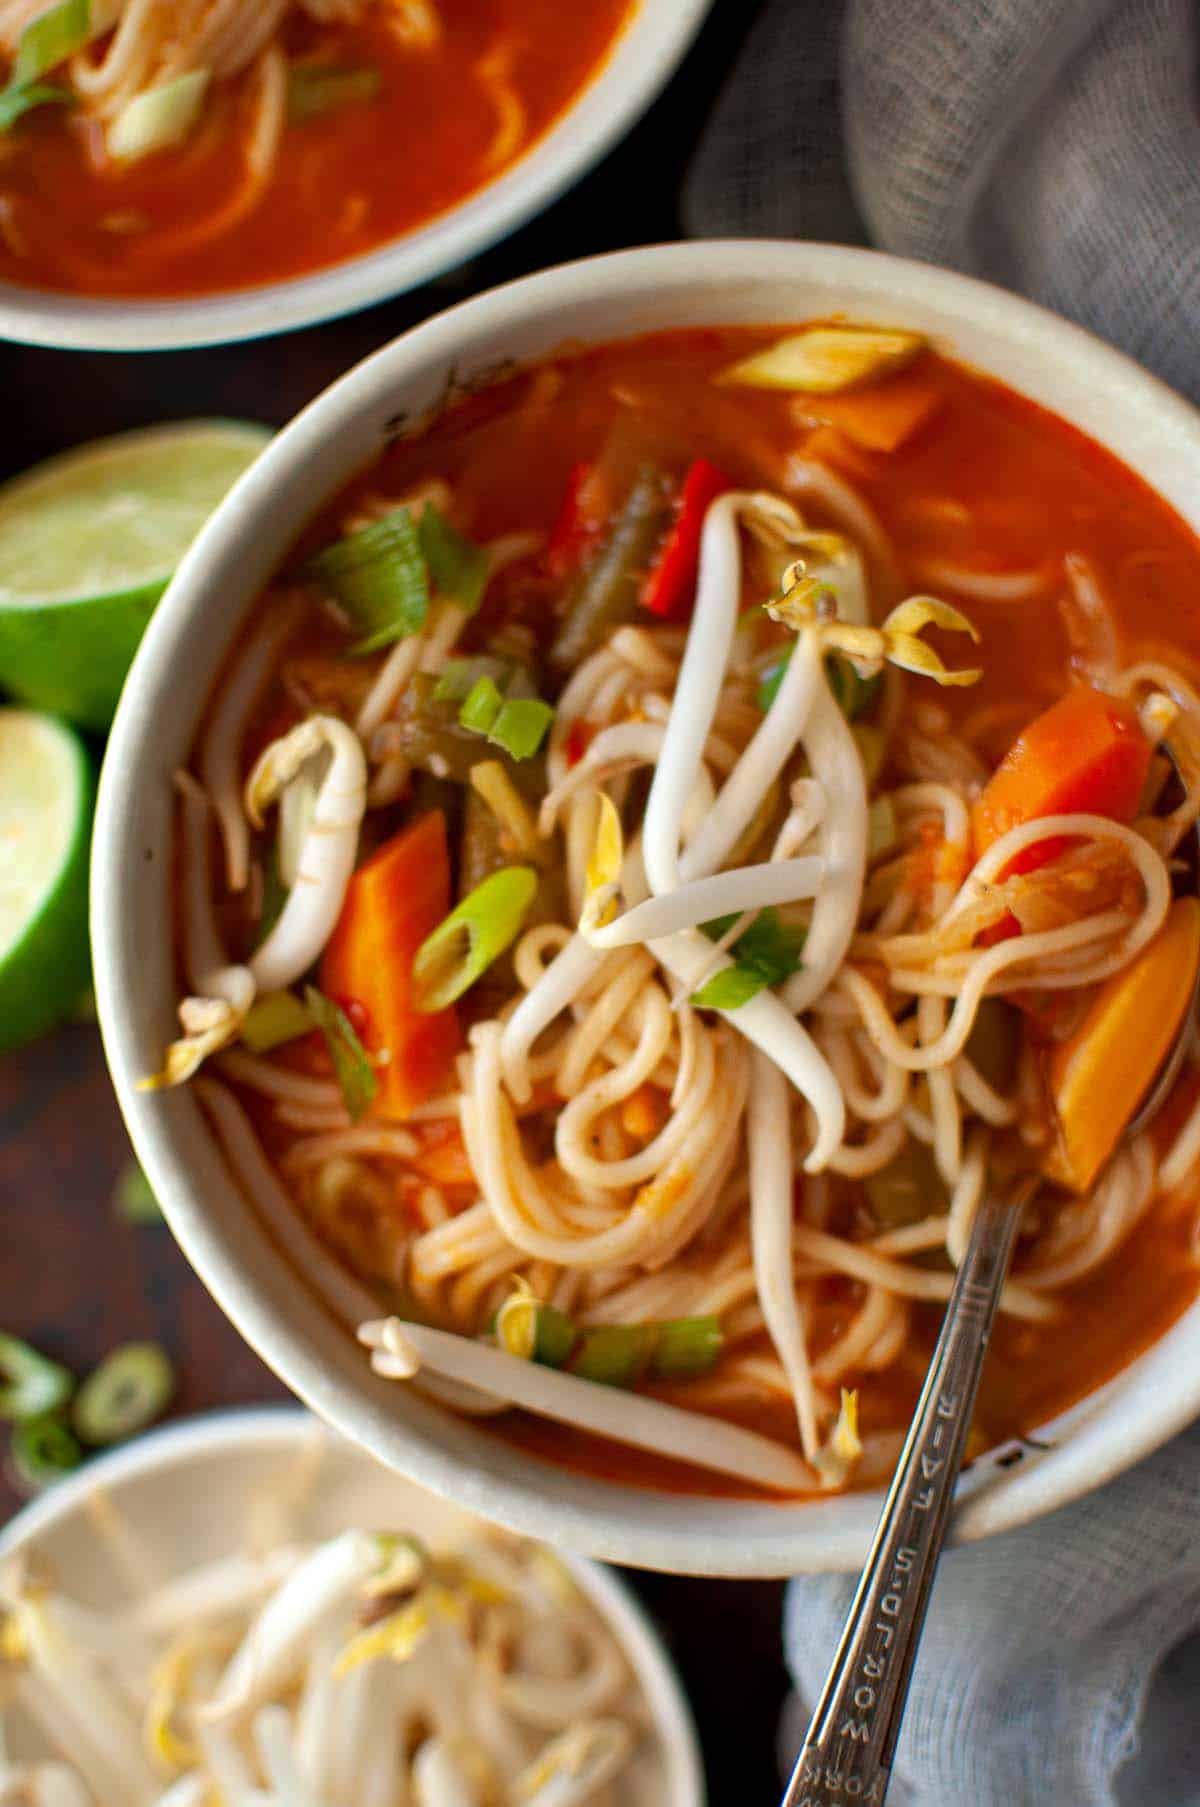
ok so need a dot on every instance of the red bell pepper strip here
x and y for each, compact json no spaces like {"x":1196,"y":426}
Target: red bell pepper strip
{"x":671,"y":580}
{"x":392,"y":903}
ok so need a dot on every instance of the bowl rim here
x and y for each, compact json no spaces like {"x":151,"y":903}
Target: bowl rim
{"x":637,"y":66}
{"x":637,"y":1526}
{"x":276,"y":1429}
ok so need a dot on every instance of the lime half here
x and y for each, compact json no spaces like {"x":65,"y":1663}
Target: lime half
{"x":88,"y":543}
{"x":47,"y":792}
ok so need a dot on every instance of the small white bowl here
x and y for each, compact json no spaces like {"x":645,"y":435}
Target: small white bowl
{"x":191,"y":1491}
{"x":651,"y":45}
{"x":1087,"y":383}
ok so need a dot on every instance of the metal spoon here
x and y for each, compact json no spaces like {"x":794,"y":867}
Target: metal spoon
{"x":846,"y":1757}
{"x":847,"y":1752}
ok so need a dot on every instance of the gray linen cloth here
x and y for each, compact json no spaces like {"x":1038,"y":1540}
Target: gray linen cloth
{"x":1052,"y":146}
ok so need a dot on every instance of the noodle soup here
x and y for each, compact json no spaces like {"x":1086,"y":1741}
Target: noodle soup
{"x":679,"y":827}
{"x":215,"y":145}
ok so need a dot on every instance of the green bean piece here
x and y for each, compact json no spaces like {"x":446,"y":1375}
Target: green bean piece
{"x":127,"y":1392}
{"x":994,"y":1044}
{"x":908,"y":1189}
{"x":605,"y":595}
{"x":44,"y":1451}
{"x":35,"y":1384}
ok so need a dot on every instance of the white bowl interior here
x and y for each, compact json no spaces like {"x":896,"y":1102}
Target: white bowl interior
{"x":693,"y":285}
{"x":650,"y":47}
{"x":198,"y":1490}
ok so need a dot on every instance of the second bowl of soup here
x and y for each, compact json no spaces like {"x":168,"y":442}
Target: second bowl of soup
{"x":634,"y":836}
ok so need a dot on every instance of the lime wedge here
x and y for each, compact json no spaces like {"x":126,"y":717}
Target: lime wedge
{"x":47,"y":791}
{"x":88,"y":543}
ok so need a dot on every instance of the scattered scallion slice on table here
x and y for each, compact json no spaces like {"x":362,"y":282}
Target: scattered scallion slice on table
{"x":44,"y":1450}
{"x":133,"y":1197}
{"x":31,"y":1385}
{"x":475,"y":933}
{"x":128,"y":1391}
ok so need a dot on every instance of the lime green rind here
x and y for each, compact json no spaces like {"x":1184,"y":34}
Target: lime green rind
{"x":44,"y":971}
{"x":46,"y":662}
{"x":80,"y":574}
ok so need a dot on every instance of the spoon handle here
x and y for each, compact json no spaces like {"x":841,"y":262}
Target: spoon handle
{"x":847,"y":1754}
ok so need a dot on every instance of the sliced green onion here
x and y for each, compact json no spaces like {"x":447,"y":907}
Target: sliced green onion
{"x":687,"y":1347}
{"x":128,"y":1391}
{"x":614,"y":1355}
{"x":50,"y":39}
{"x":314,"y":89}
{"x":475,"y":933}
{"x":378,"y":575}
{"x":133,"y":1197}
{"x":35,"y":1384}
{"x":518,"y":724}
{"x":521,"y":726}
{"x":44,"y":1451}
{"x":881,"y":826}
{"x":458,"y":567}
{"x":535,"y":1332}
{"x":16,"y":102}
{"x":767,"y":953}
{"x":353,"y":1069}
{"x":157,"y":118}
{"x":481,"y":708}
{"x":274,"y":1019}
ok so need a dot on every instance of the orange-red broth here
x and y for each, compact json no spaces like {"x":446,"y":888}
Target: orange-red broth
{"x":1034,"y":489}
{"x":344,"y":183}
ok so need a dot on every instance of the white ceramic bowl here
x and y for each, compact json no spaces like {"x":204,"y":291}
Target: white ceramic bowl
{"x":191,"y":1492}
{"x":649,"y":49}
{"x":637,"y":291}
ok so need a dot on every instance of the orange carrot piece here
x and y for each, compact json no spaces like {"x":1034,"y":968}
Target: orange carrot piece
{"x":882,"y":416}
{"x":1099,"y":1076}
{"x":392,"y":903}
{"x":1086,"y":753}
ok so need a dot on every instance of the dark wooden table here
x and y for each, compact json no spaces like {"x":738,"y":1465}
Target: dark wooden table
{"x":74,"y":1278}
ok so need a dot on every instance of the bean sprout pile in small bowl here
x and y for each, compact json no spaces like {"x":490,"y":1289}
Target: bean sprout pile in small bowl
{"x":245,"y":1609}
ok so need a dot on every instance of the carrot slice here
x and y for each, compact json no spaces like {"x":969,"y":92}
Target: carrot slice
{"x":1100,"y":1074}
{"x":882,"y":417}
{"x":392,"y":903}
{"x":1086,"y":753}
